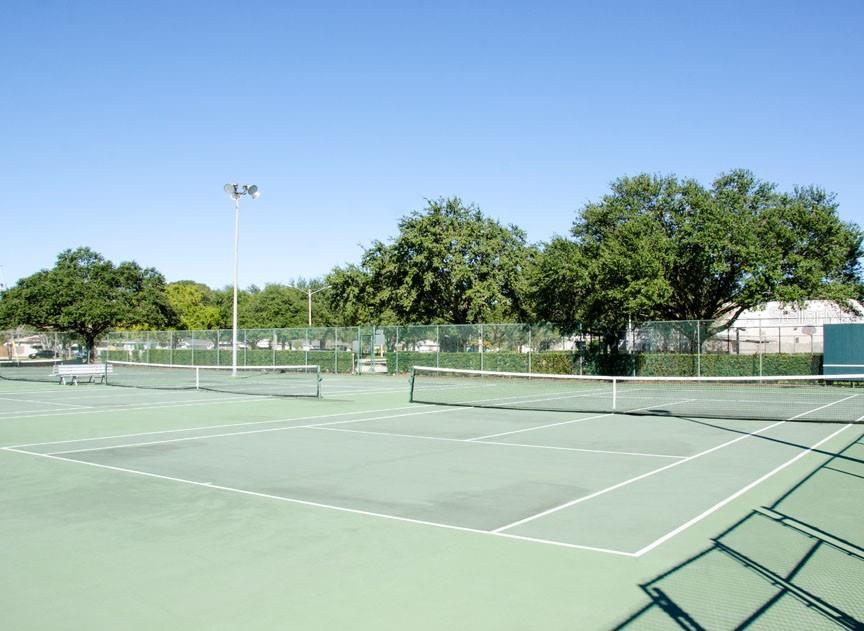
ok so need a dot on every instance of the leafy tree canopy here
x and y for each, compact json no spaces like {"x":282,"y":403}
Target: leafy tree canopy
{"x":86,"y":294}
{"x":449,"y":263}
{"x":275,"y":306}
{"x":660,"y":248}
{"x":194,"y":304}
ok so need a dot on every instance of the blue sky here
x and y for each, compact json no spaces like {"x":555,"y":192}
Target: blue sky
{"x":122,"y":121}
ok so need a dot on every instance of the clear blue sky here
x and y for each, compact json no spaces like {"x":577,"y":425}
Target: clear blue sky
{"x":122,"y":121}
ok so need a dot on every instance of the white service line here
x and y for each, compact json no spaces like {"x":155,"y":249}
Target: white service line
{"x":500,"y":444}
{"x":343,"y":509}
{"x":205,"y":427}
{"x":735,"y":495}
{"x":251,"y":431}
{"x":71,"y":405}
{"x":576,"y":420}
{"x":629,"y":481}
{"x":125,"y":408}
{"x":821,"y":407}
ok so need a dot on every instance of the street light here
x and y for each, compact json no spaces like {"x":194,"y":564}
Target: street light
{"x":236,"y":191}
{"x":309,"y":293}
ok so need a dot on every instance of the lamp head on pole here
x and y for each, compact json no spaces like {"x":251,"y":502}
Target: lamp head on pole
{"x":236,"y":191}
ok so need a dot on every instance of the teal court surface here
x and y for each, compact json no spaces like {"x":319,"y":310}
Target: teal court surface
{"x":142,"y":508}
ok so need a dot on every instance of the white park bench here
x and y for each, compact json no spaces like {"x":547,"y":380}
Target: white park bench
{"x":73,"y":373}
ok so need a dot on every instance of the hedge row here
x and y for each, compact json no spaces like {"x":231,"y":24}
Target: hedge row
{"x":551,"y":362}
{"x":330,"y":361}
{"x":640,"y":364}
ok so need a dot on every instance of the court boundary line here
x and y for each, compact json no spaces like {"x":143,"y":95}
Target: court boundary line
{"x":629,"y":481}
{"x":490,"y":442}
{"x":821,"y":407}
{"x":199,"y":428}
{"x":241,"y":433}
{"x":496,"y":532}
{"x":70,"y":405}
{"x":590,"y":418}
{"x":133,"y":407}
{"x":333,"y":507}
{"x":676,"y":531}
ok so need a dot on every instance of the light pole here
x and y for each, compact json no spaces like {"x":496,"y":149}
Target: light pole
{"x":236,"y":191}
{"x":309,"y":293}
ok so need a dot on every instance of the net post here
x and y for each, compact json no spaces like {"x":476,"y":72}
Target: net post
{"x":197,"y":378}
{"x":411,"y":385}
{"x":105,"y":370}
{"x":317,"y":381}
{"x":614,"y":393}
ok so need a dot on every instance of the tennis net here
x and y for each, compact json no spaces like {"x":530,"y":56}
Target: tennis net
{"x":30,"y":370}
{"x":835,"y":398}
{"x":285,"y":381}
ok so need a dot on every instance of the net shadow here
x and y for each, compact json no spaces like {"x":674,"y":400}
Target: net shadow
{"x":796,"y":564}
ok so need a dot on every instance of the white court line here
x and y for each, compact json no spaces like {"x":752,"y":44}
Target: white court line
{"x":125,"y":408}
{"x":822,"y":407}
{"x":251,"y":431}
{"x":343,"y":509}
{"x":608,"y":489}
{"x":490,"y":442}
{"x":205,"y":427}
{"x":71,"y":405}
{"x":571,"y":421}
{"x":735,"y":495}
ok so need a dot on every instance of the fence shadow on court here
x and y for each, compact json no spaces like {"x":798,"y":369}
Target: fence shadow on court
{"x":796,"y":564}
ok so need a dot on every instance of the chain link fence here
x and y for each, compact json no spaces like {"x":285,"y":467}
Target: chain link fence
{"x":678,"y":348}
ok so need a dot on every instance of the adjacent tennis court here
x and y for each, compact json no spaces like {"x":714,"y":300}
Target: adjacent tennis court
{"x":495,"y":503}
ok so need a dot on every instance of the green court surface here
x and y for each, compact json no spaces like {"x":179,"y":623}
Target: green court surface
{"x":129,"y":508}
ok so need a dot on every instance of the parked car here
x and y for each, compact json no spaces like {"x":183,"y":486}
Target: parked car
{"x":43,"y":353}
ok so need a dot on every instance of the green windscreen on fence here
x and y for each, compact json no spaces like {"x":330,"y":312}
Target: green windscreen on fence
{"x":844,"y":349}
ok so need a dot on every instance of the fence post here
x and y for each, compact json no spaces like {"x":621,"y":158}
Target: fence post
{"x":529,"y":349}
{"x":396,"y":351}
{"x":437,"y":346}
{"x":481,"y":347}
{"x":760,"y":347}
{"x":698,"y":348}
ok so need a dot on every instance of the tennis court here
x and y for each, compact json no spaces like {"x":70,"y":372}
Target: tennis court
{"x":136,"y":507}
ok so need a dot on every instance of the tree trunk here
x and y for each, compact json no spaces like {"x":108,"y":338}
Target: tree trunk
{"x":90,"y":341}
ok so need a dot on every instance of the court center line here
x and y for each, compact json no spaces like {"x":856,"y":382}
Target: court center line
{"x":344,"y":509}
{"x":501,"y":444}
{"x":571,"y":421}
{"x":721,"y":504}
{"x":629,"y":481}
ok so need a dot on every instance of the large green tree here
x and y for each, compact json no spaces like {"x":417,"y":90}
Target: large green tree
{"x":275,"y":306}
{"x":86,"y":294}
{"x":660,"y":248}
{"x":195,"y":305}
{"x":449,"y":263}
